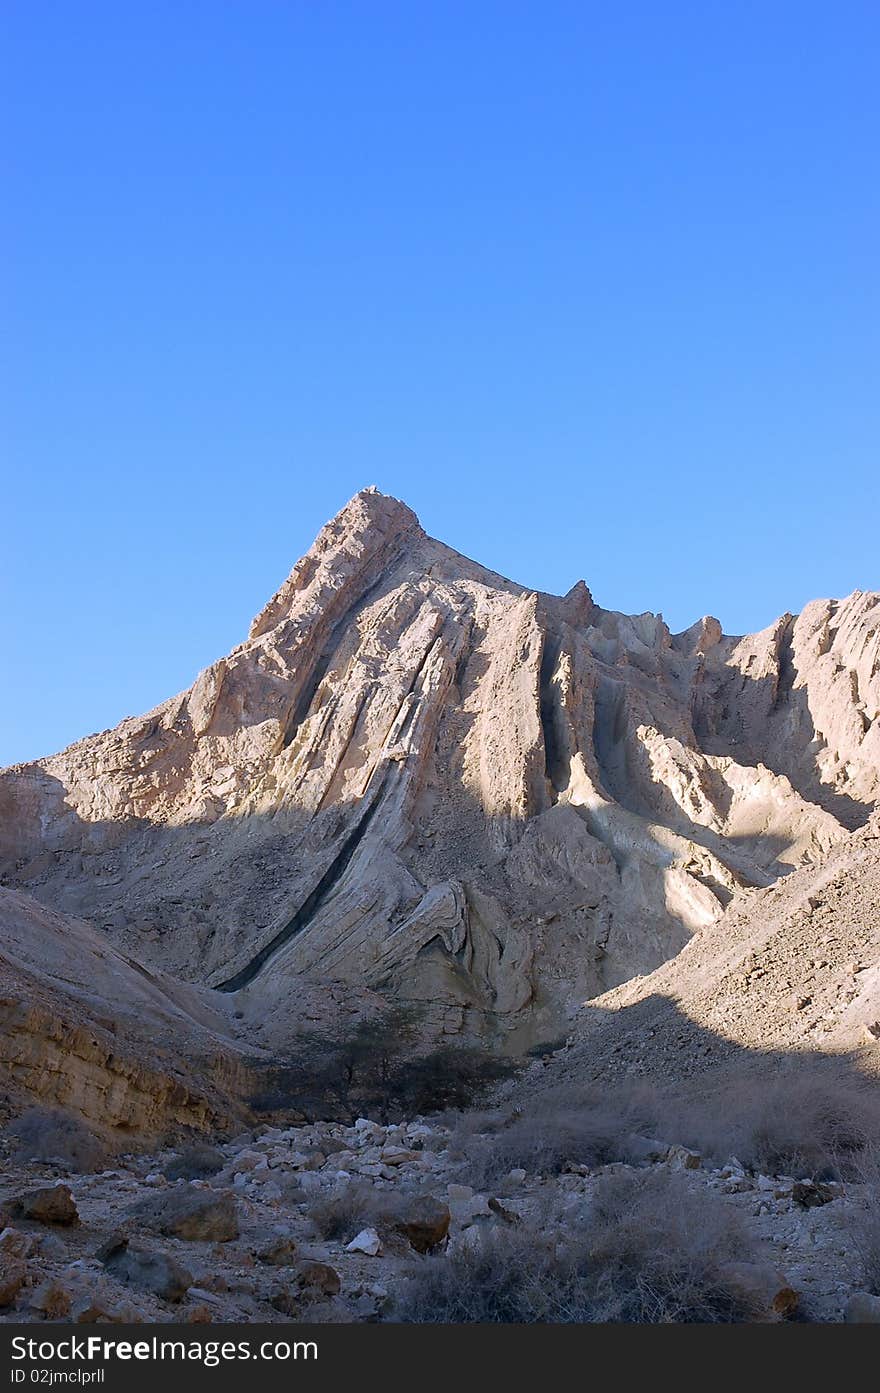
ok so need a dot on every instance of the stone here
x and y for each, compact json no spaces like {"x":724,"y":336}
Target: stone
{"x":311,"y":1160}
{"x":764,"y":1287}
{"x":154,"y":1272}
{"x":191,"y":1214}
{"x":367,"y":1241}
{"x":50,"y":1204}
{"x":286,"y":1299}
{"x":94,"y":1310}
{"x":862,"y":1309}
{"x":809,"y":1194}
{"x":398,"y":1155}
{"x":279,"y":1252}
{"x":317,"y":1280}
{"x":423,"y":1222}
{"x":15,"y":1244}
{"x":737,"y":1185}
{"x":246,"y":1161}
{"x":681,"y":1158}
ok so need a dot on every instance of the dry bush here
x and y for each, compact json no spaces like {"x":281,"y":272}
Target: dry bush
{"x":587,"y":1126}
{"x":469,"y":1128}
{"x":50,"y":1134}
{"x":822,"y":1124}
{"x":195,"y":1163}
{"x":357,"y":1205}
{"x":651,"y":1248}
{"x":341,"y":1213}
{"x":860,"y":1223}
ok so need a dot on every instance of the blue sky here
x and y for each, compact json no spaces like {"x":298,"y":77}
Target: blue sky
{"x":593,"y":287}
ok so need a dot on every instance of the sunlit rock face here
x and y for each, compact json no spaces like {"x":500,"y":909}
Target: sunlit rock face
{"x":418,"y":778}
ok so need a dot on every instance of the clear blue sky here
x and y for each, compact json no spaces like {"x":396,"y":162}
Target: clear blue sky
{"x":592,"y":286}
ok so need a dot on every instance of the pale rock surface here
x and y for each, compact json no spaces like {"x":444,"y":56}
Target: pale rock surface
{"x":419,"y":778}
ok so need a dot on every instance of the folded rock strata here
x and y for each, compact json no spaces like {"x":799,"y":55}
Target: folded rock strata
{"x":418,"y":778}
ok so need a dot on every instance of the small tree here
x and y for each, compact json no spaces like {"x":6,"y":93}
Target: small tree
{"x":376,"y":1070}
{"x":454,"y":1076}
{"x":351,"y":1076}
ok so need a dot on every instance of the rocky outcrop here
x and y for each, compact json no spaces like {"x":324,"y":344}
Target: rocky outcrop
{"x":84,"y":1027}
{"x":418,"y":778}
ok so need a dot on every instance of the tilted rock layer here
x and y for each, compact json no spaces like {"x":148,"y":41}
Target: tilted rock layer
{"x":420,"y":778}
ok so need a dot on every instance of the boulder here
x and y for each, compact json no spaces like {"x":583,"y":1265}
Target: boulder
{"x":681,"y":1158}
{"x":809,"y":1194}
{"x":317,"y":1280}
{"x":93,"y":1310}
{"x":398,"y":1155}
{"x":50,"y":1204}
{"x":763,"y":1287}
{"x":862,"y":1309}
{"x":246,"y":1161}
{"x":423,"y":1222}
{"x":286,"y":1299}
{"x":148,"y":1271}
{"x":280,"y":1251}
{"x":311,"y":1160}
{"x":367,"y":1241}
{"x":15,"y":1244}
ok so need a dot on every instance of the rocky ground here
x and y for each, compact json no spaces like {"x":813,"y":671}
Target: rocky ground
{"x":249,"y":1242}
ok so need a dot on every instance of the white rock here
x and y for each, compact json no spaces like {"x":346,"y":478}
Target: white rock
{"x":367,"y":1241}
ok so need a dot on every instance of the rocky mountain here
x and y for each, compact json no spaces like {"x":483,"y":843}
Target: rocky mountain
{"x":418,"y":778}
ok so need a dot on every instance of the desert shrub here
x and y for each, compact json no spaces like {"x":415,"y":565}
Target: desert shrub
{"x":195,"y":1163}
{"x":860,"y":1223}
{"x":651,"y":1248}
{"x":664,"y":1250}
{"x":339,"y":1214}
{"x":820,"y":1124}
{"x":582,"y":1125}
{"x":51,"y":1134}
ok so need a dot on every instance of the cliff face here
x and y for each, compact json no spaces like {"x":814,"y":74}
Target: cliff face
{"x":418,"y":777}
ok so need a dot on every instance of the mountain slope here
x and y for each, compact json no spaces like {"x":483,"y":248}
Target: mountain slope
{"x":419,"y":777}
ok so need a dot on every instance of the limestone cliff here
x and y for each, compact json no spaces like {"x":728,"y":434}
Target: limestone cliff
{"x":418,"y":777}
